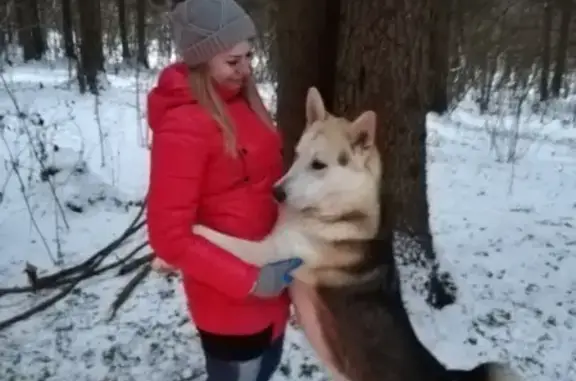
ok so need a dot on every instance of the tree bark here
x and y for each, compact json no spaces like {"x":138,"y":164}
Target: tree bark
{"x":383,"y":65}
{"x":141,"y":33}
{"x":5,"y":31}
{"x":121,"y":5}
{"x":380,"y":61}
{"x":30,"y":34}
{"x":299,"y":25}
{"x":439,"y":55}
{"x":566,"y":7}
{"x":545,"y":69}
{"x":67,"y":29}
{"x":91,"y":51}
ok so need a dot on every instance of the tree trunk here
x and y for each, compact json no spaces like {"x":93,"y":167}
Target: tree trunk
{"x":384,"y":67}
{"x":545,"y":69}
{"x":91,"y":53}
{"x":30,"y":34}
{"x":439,"y":55}
{"x":562,"y":47}
{"x":457,"y":69}
{"x":298,"y":29}
{"x":67,"y":29}
{"x":141,"y":33}
{"x":379,"y":62}
{"x":5,"y":31}
{"x":121,"y":5}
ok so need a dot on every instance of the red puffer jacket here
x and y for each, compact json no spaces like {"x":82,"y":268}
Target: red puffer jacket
{"x":193,"y":180}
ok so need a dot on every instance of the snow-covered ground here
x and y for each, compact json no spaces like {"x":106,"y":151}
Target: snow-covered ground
{"x":505,"y":231}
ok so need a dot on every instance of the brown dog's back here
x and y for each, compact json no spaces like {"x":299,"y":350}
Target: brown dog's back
{"x":367,"y":328}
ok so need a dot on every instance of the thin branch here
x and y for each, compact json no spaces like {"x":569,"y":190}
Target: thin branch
{"x":87,"y":264}
{"x":23,"y":191}
{"x":89,"y":268}
{"x":36,"y":154}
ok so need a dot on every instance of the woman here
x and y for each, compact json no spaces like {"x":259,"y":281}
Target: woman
{"x":215,"y":156}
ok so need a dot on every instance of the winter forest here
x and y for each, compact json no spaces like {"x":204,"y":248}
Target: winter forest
{"x":476,"y":105}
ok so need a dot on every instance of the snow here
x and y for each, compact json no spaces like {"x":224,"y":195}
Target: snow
{"x":504,"y":230}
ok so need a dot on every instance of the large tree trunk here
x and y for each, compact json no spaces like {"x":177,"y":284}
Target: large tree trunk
{"x":298,"y":27}
{"x":566,"y":7}
{"x":30,"y":34}
{"x":439,"y":55}
{"x":121,"y":5}
{"x":91,"y":51}
{"x":380,"y":61}
{"x":5,"y":31}
{"x":67,"y":29}
{"x":384,"y":67}
{"x":456,"y":71}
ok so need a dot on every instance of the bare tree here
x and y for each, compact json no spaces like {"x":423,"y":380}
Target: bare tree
{"x":546,"y":31}
{"x":91,"y":53}
{"x":30,"y":34}
{"x":68,"y":29}
{"x":121,"y":5}
{"x":566,"y":7}
{"x":7,"y":30}
{"x":141,"y":10}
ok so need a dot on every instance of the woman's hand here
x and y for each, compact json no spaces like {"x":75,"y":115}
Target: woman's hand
{"x":275,"y":277}
{"x":160,"y":266}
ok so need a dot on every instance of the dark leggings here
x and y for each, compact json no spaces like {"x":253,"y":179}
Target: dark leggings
{"x":249,"y":366}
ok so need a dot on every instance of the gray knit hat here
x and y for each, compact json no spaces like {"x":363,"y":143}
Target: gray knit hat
{"x":204,"y":28}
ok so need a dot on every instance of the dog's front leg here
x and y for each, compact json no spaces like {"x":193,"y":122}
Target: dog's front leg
{"x":283,"y":243}
{"x":255,"y":252}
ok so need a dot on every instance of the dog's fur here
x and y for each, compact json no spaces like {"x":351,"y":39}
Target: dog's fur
{"x":346,"y":294}
{"x":330,"y":211}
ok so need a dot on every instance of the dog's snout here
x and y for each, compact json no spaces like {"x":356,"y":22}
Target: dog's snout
{"x":279,"y":193}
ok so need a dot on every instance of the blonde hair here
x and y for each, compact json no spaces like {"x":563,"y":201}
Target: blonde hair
{"x":203,"y":90}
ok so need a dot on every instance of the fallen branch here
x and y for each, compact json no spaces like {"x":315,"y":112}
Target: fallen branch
{"x":133,"y":265}
{"x":88,"y":273}
{"x":39,"y":308}
{"x":128,"y":290}
{"x":66,"y":275}
{"x":69,"y":278}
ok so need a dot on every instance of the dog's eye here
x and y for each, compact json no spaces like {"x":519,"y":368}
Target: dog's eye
{"x":317,"y":165}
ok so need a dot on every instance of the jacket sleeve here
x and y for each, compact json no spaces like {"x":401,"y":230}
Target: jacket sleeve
{"x":177,"y":164}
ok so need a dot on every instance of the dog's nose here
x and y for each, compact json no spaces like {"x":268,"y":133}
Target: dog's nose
{"x":279,"y":194}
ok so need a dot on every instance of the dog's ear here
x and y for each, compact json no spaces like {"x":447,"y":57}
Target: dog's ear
{"x":315,"y":109}
{"x":363,"y":131}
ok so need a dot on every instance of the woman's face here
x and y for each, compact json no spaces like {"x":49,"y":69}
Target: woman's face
{"x":231,"y":68}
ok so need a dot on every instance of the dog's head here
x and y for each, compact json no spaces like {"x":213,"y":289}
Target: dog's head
{"x":336,"y":162}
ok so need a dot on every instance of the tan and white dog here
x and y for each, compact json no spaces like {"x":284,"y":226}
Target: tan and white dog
{"x":330,"y":215}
